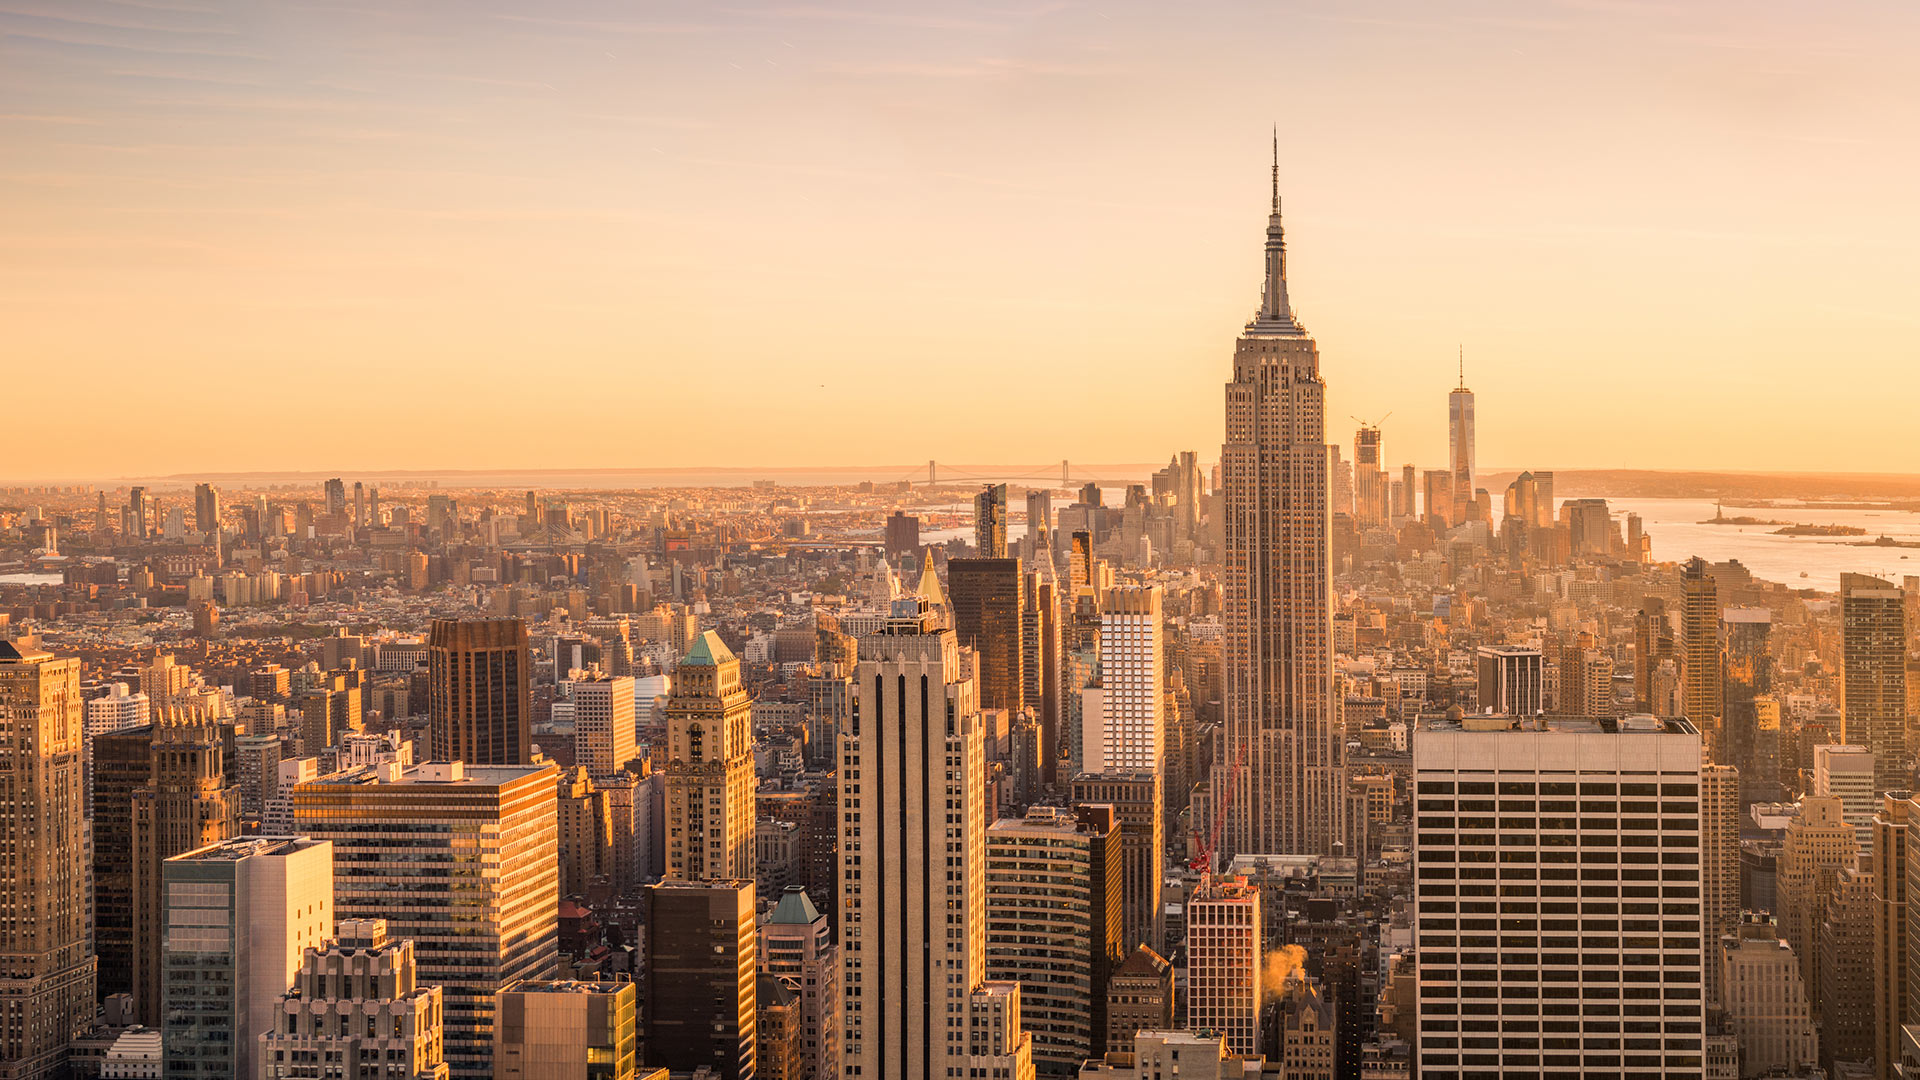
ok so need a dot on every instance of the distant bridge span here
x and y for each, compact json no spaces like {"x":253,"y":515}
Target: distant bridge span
{"x":1037,"y":475}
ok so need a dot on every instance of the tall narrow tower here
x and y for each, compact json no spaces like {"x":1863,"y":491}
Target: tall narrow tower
{"x":1284,"y":759}
{"x":1460,"y":444}
{"x":710,"y":781}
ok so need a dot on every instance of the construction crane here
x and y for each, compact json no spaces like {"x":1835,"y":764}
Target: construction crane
{"x":1206,"y":846}
{"x":1375,"y":425}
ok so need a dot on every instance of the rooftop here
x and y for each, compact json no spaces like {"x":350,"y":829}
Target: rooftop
{"x":1636,"y":724}
{"x":249,"y":847}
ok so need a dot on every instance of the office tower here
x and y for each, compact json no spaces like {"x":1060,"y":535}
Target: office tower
{"x":478,"y":707}
{"x":1124,"y":717}
{"x":990,"y":522}
{"x":336,"y":495}
{"x":701,"y":977}
{"x":1039,"y":539}
{"x":1890,"y":941}
{"x":1634,"y":784}
{"x":1405,"y":492}
{"x":1720,"y":807}
{"x":913,"y":840}
{"x":796,"y":947}
{"x":1873,"y":674}
{"x":1460,"y":456}
{"x":1370,"y":491}
{"x":1766,"y":1000}
{"x":988,"y":601}
{"x":1700,"y":698}
{"x":47,"y":981}
{"x":465,"y":863}
{"x":1510,"y":680}
{"x":1746,"y":677}
{"x":567,"y":1031}
{"x":997,"y":1044}
{"x":328,"y":712}
{"x":710,"y":777}
{"x":184,"y":804}
{"x":1436,"y":499}
{"x":1652,"y":646}
{"x":603,"y":724}
{"x":119,"y":709}
{"x":1543,"y":496}
{"x":1845,"y":940}
{"x":206,"y":509}
{"x":1139,"y":998}
{"x":359,"y":505}
{"x":122,"y":764}
{"x":1138,"y":798}
{"x":902,"y":536}
{"x":1846,"y":773}
{"x":1283,"y":757}
{"x":135,"y":522}
{"x":1053,"y":925}
{"x":356,"y":1004}
{"x":237,"y":915}
{"x":1225,"y":960}
{"x":584,"y":818}
{"x":1040,"y":664}
{"x":1818,"y":845}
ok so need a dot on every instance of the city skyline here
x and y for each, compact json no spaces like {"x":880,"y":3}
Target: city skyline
{"x":617,"y":194}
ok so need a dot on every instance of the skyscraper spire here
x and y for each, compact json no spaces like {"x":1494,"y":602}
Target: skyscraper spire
{"x":1463,"y":366}
{"x":1276,"y":311}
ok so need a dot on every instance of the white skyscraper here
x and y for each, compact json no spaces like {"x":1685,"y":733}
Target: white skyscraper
{"x":1846,"y":773}
{"x":1124,"y":717}
{"x":1558,"y":895}
{"x":603,"y":725}
{"x":913,"y":857}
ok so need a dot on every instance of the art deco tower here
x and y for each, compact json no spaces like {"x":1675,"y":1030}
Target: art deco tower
{"x":710,"y":781}
{"x":1284,"y":760}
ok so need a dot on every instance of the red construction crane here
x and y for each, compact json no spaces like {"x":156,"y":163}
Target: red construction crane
{"x":1203,"y":857}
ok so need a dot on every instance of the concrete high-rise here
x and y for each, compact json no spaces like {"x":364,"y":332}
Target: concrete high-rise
{"x":465,"y":862}
{"x":1510,"y":679}
{"x":238,"y":915}
{"x":1460,"y":453}
{"x":913,"y":806}
{"x":567,"y":1031}
{"x":1225,"y":959}
{"x":603,"y":724}
{"x":1587,"y":818}
{"x":990,"y":522}
{"x":796,"y":947}
{"x":710,"y":778}
{"x":478,"y":706}
{"x":989,"y":601}
{"x":1847,"y":773}
{"x":1766,"y":1000}
{"x":356,"y":1003}
{"x":47,"y":981}
{"x":1819,"y":845}
{"x":1719,"y":859}
{"x":1873,"y":674}
{"x":1283,"y":757}
{"x":183,"y":804}
{"x":1124,"y":717}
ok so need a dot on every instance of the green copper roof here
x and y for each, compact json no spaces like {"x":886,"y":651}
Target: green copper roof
{"x":794,"y":908}
{"x":708,"y":651}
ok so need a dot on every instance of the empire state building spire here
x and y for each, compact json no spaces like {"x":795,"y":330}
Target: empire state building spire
{"x":1276,"y":311}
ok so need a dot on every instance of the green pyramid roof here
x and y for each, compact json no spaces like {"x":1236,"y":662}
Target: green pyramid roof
{"x":794,"y":908}
{"x":708,"y":651}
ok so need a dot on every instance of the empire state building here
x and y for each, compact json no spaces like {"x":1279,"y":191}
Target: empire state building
{"x":1282,"y":786}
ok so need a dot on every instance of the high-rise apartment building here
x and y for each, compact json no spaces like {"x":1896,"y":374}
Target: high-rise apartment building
{"x":478,"y":706}
{"x":603,"y":724}
{"x":1719,"y":859}
{"x":1847,"y":773}
{"x":710,"y":778}
{"x":989,"y":600}
{"x":1873,"y":673}
{"x":46,"y":970}
{"x":336,"y":495}
{"x":566,"y":1031}
{"x":1124,"y":717}
{"x":1510,"y":680}
{"x":1700,"y":693}
{"x":1226,"y":955}
{"x":1531,"y":838}
{"x":990,"y":522}
{"x":237,"y":917}
{"x":1053,"y":925}
{"x":702,"y":976}
{"x":1461,"y":466}
{"x":465,"y":862}
{"x":356,"y":1007}
{"x":913,"y":806}
{"x":1283,"y":756}
{"x":796,"y":947}
{"x":206,"y":509}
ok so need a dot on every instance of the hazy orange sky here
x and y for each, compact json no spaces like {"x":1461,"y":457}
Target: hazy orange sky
{"x":243,"y":234}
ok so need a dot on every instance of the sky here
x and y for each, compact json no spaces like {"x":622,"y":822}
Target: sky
{"x":250,"y":234}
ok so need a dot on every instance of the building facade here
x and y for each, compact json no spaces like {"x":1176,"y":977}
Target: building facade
{"x":479,"y":707}
{"x":356,"y":1006}
{"x":710,"y":776}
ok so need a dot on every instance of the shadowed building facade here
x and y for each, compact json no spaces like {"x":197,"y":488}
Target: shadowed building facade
{"x":478,"y":704}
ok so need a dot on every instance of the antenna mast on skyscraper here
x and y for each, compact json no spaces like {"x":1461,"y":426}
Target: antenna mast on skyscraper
{"x":1276,"y":168}
{"x":1463,"y":366}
